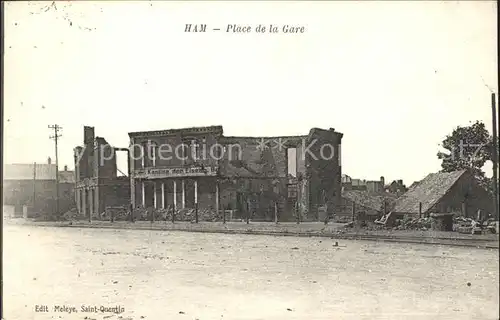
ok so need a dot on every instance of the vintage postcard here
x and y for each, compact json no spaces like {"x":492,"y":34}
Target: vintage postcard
{"x":250,"y":160}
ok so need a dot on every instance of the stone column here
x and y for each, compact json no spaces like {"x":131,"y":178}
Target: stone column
{"x":78,"y":201}
{"x":97,"y":203}
{"x":217,"y":197}
{"x":163,"y":195}
{"x":154,"y":195}
{"x":175,"y":194}
{"x":196,"y":191}
{"x":84,"y":201}
{"x":143,"y":194}
{"x":91,"y":201}
{"x":183,"y":194}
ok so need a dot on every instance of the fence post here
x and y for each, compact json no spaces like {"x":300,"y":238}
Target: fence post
{"x":173,"y":213}
{"x":420,"y":209}
{"x":223,"y":215}
{"x":353,"y":211}
{"x":276,"y":212}
{"x":248,"y":216}
{"x":297,"y":213}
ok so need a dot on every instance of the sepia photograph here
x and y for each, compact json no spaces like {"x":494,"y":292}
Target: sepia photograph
{"x":250,"y":160}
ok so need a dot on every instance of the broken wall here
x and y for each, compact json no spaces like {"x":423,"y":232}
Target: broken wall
{"x":113,"y":193}
{"x":324,"y":170}
{"x":106,"y":160}
{"x":258,"y":157}
{"x":256,"y":197}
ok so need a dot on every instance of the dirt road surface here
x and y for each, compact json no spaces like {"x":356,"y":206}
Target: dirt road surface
{"x":181,"y":275}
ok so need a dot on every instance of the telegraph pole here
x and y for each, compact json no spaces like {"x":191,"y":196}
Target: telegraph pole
{"x":495,"y":154}
{"x":34,"y":186}
{"x":55,"y":137}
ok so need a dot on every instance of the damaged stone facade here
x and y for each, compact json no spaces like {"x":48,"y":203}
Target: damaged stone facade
{"x":97,"y":184}
{"x":251,"y":177}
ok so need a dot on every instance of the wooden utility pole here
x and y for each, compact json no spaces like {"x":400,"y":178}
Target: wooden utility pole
{"x":495,"y":154}
{"x":34,"y":186}
{"x":55,"y":137}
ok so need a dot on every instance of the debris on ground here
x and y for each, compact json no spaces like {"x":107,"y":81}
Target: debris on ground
{"x":73,"y":215}
{"x":186,"y":214}
{"x":469,"y":225}
{"x":433,"y":222}
{"x":422,"y":224}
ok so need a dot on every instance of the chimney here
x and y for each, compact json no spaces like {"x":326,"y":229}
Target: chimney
{"x":49,"y":161}
{"x":382,"y":181}
{"x":65,"y":168}
{"x":400,"y":182}
{"x":88,"y":135}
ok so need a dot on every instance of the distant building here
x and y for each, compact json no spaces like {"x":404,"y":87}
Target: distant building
{"x":30,"y":189}
{"x":349,"y":183}
{"x":396,"y":187}
{"x":446,"y":192}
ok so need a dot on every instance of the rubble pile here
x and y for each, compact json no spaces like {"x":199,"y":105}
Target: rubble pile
{"x":437,"y":222}
{"x":409,"y":223}
{"x":118,"y":213}
{"x":342,"y":219}
{"x":203,"y":215}
{"x":141,"y":214}
{"x":186,"y":214}
{"x":73,"y":215}
{"x":365,"y":225}
{"x":463,"y":225}
{"x":469,"y":225}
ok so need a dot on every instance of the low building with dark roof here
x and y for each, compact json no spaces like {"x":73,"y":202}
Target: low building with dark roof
{"x":444,"y":192}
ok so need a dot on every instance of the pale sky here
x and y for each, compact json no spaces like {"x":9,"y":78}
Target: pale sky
{"x":394,"y":77}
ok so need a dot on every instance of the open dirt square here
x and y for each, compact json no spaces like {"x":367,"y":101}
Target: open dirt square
{"x":69,"y":273}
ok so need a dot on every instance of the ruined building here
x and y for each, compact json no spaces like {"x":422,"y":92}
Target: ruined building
{"x":250,"y":176}
{"x":97,"y":184}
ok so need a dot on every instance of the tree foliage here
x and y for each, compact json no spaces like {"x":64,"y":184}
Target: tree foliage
{"x":468,"y":147}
